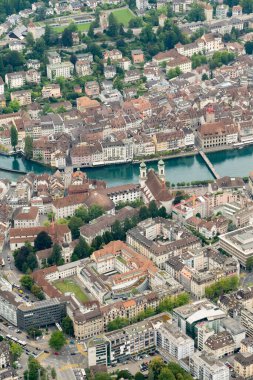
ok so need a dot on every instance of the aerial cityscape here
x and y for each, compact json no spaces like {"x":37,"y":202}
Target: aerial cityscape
{"x":126,"y":189}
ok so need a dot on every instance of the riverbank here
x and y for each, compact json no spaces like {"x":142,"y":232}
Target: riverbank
{"x":180,"y":168}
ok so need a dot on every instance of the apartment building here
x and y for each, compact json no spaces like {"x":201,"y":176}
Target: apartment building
{"x":206,"y":367}
{"x":220,"y":344}
{"x":56,"y":70}
{"x":217,"y":134}
{"x":174,"y":342}
{"x":83,"y":68}
{"x":51,"y":90}
{"x":1,"y":86}
{"x":117,"y":151}
{"x":64,"y":207}
{"x":137,"y":56}
{"x":94,"y":322}
{"x":53,"y":57}
{"x":15,"y":80}
{"x":243,"y":364}
{"x":221,"y":11}
{"x":27,"y":217}
{"x":24,"y":97}
{"x":5,"y":357}
{"x":148,"y":239}
{"x":9,"y":302}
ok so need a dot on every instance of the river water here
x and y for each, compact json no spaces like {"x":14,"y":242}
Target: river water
{"x":237,"y":162}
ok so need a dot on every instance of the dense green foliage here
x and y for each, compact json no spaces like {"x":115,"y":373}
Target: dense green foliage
{"x":221,"y":287}
{"x":57,"y":340}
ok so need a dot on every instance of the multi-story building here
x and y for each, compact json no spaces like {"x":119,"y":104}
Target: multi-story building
{"x":66,"y":206}
{"x":117,"y":151}
{"x":217,"y":134}
{"x":53,"y":57}
{"x":206,"y":367}
{"x":220,"y":344}
{"x":27,"y":217}
{"x":239,"y":243}
{"x":41,"y":314}
{"x":243,"y":364}
{"x":51,"y":90}
{"x":83,"y":68}
{"x":15,"y":80}
{"x":24,"y":97}
{"x":174,"y":342}
{"x":149,"y":237}
{"x":1,"y":86}
{"x":221,"y":11}
{"x":63,"y":69}
{"x":9,"y":302}
{"x":5,"y":357}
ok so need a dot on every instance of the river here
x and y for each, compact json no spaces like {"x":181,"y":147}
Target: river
{"x":237,"y":162}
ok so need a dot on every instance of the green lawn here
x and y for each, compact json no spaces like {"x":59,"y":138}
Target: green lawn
{"x":68,"y":285}
{"x":80,"y":27}
{"x":123,"y":16}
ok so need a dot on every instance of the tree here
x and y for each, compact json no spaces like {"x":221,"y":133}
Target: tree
{"x":56,"y":256}
{"x":102,"y":376}
{"x":26,"y":281}
{"x":16,"y":350}
{"x":117,"y":231}
{"x":153,"y":209}
{"x":53,"y":373}
{"x":249,"y":264}
{"x":124,"y":374}
{"x":113,"y":27}
{"x":166,"y":374}
{"x":25,"y":259}
{"x":248,"y":47}
{"x":156,"y":365}
{"x":81,"y":250}
{"x":95,"y":211}
{"x":196,"y":13}
{"x":34,"y":332}
{"x":204,"y":77}
{"x":14,"y":136}
{"x":28,"y":147}
{"x":57,"y":340}
{"x":30,"y":39}
{"x":143,"y":213}
{"x":35,"y":371}
{"x":82,"y":213}
{"x":97,"y":242}
{"x":42,"y":241}
{"x":37,"y":292}
{"x":91,"y":31}
{"x":67,"y":326}
{"x":74,"y":225}
{"x":67,"y":37}
{"x":139,"y":376}
{"x":247,"y":6}
{"x":117,"y":323}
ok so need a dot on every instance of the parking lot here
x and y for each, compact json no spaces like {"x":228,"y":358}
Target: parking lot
{"x":133,"y":365}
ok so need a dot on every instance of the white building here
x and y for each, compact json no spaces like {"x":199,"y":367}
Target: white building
{"x":15,"y":80}
{"x":176,"y":343}
{"x":8,"y":306}
{"x":56,"y":70}
{"x":205,"y":367}
{"x":27,"y":217}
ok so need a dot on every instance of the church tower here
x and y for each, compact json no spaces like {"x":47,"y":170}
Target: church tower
{"x":161,"y":170}
{"x":143,"y":174}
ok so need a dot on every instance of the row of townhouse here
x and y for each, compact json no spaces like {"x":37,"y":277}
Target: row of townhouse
{"x":20,"y":78}
{"x":102,"y":153}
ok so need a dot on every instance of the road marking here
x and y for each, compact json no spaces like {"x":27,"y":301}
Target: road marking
{"x":80,"y":349}
{"x":42,"y":356}
{"x":68,"y":366}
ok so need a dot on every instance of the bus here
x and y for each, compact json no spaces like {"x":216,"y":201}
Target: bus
{"x":16,"y":340}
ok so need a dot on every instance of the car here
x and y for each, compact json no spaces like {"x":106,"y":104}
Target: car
{"x":46,"y":352}
{"x":73,"y":353}
{"x":146,"y":356}
{"x":56,"y":353}
{"x":37,"y":348}
{"x":114,"y":364}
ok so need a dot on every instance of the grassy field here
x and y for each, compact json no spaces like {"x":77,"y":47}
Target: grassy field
{"x":69,"y":285}
{"x":80,"y":27}
{"x":123,"y":16}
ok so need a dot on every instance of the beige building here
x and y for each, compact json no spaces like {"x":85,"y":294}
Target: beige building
{"x":24,"y":97}
{"x":27,"y":217}
{"x":220,"y":344}
{"x":51,"y":90}
{"x":243,"y":364}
